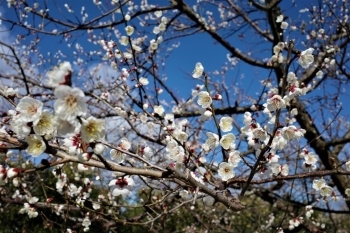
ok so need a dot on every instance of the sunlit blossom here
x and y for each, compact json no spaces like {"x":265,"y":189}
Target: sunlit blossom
{"x":326,"y":190}
{"x":291,"y":132}
{"x":226,"y":124}
{"x":212,"y":140}
{"x":124,"y":186}
{"x":30,"y":109}
{"x":158,"y":109}
{"x":227,"y":141}
{"x":234,"y":158}
{"x":306,"y":58}
{"x":226,"y":171}
{"x":274,"y":103}
{"x":129,"y":30}
{"x":204,"y":99}
{"x":36,"y":145}
{"x":117,"y":156}
{"x":46,"y":124}
{"x":198,"y":70}
{"x":318,"y":184}
{"x":279,"y":18}
{"x":60,"y":75}
{"x":70,"y":103}
{"x":92,"y":129}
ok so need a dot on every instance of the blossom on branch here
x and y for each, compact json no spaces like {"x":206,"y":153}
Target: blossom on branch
{"x":92,"y":129}
{"x":226,"y":124}
{"x":36,"y":145}
{"x":30,"y":109}
{"x":46,"y":124}
{"x":198,"y":70}
{"x":306,"y":58}
{"x":70,"y":103}
{"x":211,"y":142}
{"x":129,"y":30}
{"x":291,"y":132}
{"x":60,"y":75}
{"x":227,"y":141}
{"x":204,"y":99}
{"x":226,"y":171}
{"x":123,"y":185}
{"x":274,"y":103}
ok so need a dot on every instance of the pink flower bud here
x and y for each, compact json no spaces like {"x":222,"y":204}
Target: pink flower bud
{"x":217,"y":97}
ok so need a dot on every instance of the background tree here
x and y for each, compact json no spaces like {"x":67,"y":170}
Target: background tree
{"x":100,"y":131}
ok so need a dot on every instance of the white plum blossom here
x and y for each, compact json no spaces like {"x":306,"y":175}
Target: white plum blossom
{"x":30,"y":109}
{"x":291,"y":78}
{"x":19,"y":126}
{"x":198,"y":70}
{"x":347,"y":165}
{"x":124,"y":185}
{"x":294,"y":112}
{"x":28,"y":209}
{"x":284,"y":25}
{"x":310,"y":160}
{"x":86,"y":223}
{"x":295,"y":222}
{"x":124,"y":40}
{"x":156,"y":30}
{"x":177,"y":154}
{"x":347,"y":192}
{"x":212,"y":140}
{"x":153,"y":45}
{"x":74,"y":145}
{"x":182,"y":136}
{"x":60,"y":75}
{"x":279,"y":19}
{"x":86,"y":169}
{"x":143,"y":81}
{"x":259,"y":133}
{"x":319,"y":74}
{"x":279,"y":169}
{"x":204,"y":99}
{"x":306,"y":58}
{"x":10,"y":92}
{"x":326,"y":191}
{"x":158,"y":109}
{"x":318,"y":184}
{"x":158,"y":14}
{"x":226,"y":124}
{"x":234,"y":158}
{"x":226,"y":171}
{"x":208,"y":200}
{"x":117,"y":156}
{"x":92,"y":129}
{"x":227,"y":141}
{"x":272,"y":157}
{"x":129,"y":30}
{"x":46,"y":124}
{"x":124,"y":144}
{"x":36,"y":145}
{"x":274,"y":103}
{"x":70,"y":103}
{"x":291,"y":132}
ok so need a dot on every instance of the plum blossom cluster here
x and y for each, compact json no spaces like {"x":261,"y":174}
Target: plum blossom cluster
{"x":37,"y":125}
{"x":321,"y":186}
{"x":29,"y":207}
